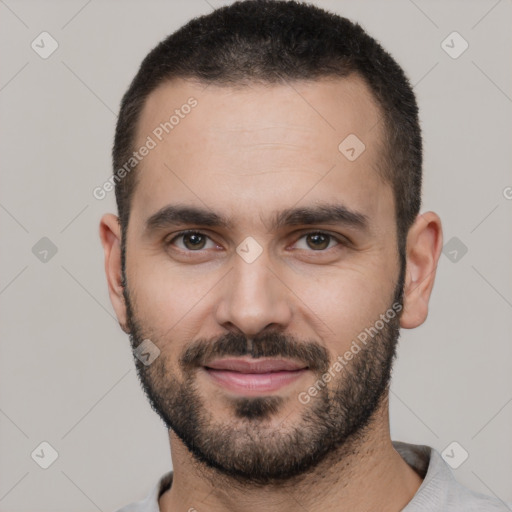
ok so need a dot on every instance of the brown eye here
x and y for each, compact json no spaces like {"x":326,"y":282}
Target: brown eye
{"x":194,"y":241}
{"x":191,"y":241}
{"x":318,"y":241}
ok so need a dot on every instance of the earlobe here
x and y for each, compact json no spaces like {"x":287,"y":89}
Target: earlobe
{"x":110,"y":235}
{"x":424,"y":245}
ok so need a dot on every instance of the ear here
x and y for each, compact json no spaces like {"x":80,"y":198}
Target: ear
{"x":110,"y":234}
{"x":424,"y":245}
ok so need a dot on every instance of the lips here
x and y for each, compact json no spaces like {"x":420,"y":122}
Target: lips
{"x":254,"y":376}
{"x":255,"y":365}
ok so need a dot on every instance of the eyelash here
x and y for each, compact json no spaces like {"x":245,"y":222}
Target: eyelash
{"x":339,"y":241}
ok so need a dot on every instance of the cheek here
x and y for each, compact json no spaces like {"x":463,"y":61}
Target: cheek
{"x":347,"y":301}
{"x":164,"y":293}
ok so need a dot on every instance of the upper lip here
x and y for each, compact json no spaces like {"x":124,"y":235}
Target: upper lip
{"x":255,"y":365}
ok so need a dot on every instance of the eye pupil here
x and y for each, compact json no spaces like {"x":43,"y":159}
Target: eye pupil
{"x":319,"y":240}
{"x":195,"y":240}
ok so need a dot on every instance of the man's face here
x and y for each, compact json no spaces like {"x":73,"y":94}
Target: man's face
{"x":291,"y":296}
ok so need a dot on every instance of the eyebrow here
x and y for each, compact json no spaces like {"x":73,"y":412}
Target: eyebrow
{"x":177,"y":215}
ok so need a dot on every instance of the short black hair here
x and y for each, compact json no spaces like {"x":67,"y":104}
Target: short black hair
{"x":273,"y":42}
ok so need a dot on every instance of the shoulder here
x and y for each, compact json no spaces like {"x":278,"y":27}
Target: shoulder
{"x":150,"y":503}
{"x":461,"y":498}
{"x":440,"y":491}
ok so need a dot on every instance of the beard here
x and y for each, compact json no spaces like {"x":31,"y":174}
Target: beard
{"x":248,"y":447}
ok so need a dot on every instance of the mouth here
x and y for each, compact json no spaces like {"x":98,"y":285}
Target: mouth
{"x":254,"y":376}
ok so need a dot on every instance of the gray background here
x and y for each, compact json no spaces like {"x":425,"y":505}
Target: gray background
{"x":66,"y":371}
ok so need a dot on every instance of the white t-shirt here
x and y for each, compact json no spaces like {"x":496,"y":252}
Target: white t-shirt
{"x":439,"y":491}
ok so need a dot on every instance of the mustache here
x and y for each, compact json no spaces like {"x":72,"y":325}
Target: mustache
{"x":273,"y":344}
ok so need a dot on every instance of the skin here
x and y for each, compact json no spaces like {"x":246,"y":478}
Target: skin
{"x":247,"y":152}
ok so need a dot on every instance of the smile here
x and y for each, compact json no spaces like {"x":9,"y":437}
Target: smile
{"x":254,"y":376}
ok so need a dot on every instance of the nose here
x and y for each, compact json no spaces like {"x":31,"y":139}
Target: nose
{"x":253,"y":298}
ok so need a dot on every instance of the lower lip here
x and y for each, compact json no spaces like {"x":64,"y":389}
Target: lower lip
{"x":254,"y":383}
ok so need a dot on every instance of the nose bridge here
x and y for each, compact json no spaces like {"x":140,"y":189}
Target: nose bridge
{"x":253,"y":297}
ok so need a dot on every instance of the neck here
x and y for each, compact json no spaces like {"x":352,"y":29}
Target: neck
{"x":366,"y":473}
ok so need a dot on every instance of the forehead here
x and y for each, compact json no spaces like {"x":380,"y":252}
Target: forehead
{"x":246,"y":149}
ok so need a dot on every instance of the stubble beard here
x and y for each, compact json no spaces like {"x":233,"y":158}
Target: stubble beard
{"x":249,"y":447}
